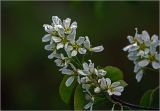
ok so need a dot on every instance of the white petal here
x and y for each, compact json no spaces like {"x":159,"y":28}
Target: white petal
{"x":102,"y":72}
{"x":139,"y":76}
{"x":61,"y":32}
{"x":80,"y":40}
{"x":74,"y":25}
{"x":155,"y":41}
{"x":62,"y":56}
{"x":73,"y":67}
{"x":69,"y":48}
{"x":88,"y":105}
{"x":82,"y":50}
{"x":85,"y":66}
{"x":74,"y":53}
{"x":130,"y":38}
{"x":97,"y":90}
{"x":143,"y":63}
{"x":115,"y":84}
{"x":78,"y":79}
{"x":51,"y":56}
{"x":156,"y":65}
{"x":146,"y":51}
{"x":81,"y":72}
{"x":60,"y":45}
{"x":66,"y":22}
{"x":49,"y":47}
{"x":127,"y":47}
{"x":97,"y":49}
{"x":48,"y":28}
{"x":58,"y":62}
{"x":102,"y":82}
{"x":116,"y":93}
{"x":119,"y":89}
{"x":108,"y":81}
{"x":133,"y":48}
{"x":87,"y":43}
{"x":157,"y":57}
{"x":152,"y":49}
{"x":136,"y":68}
{"x":69,"y":81}
{"x":109,"y":92}
{"x":46,"y":38}
{"x":145,"y":36}
{"x":71,"y":37}
{"x":132,"y":55}
{"x":56,"y":39}
{"x":67,"y":71}
{"x":140,"y":53}
{"x":56,"y":20}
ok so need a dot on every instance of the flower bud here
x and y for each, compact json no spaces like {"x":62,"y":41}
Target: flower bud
{"x":97,"y":90}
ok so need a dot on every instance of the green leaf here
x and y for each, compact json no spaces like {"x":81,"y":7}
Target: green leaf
{"x":79,"y":98}
{"x":114,"y":73}
{"x":66,"y":92}
{"x":123,"y":83}
{"x":147,"y":98}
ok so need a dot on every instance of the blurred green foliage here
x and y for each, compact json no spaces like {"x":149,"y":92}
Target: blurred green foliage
{"x":31,"y":81}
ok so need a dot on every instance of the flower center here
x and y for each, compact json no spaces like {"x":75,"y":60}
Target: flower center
{"x":67,"y":30}
{"x":75,"y":46}
{"x":152,"y":57}
{"x":64,"y":40}
{"x":55,"y":33}
{"x":142,"y":46}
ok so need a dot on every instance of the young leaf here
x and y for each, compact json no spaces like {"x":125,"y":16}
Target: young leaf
{"x":113,"y":73}
{"x":66,"y":92}
{"x":123,"y":83}
{"x":147,"y":98}
{"x":79,"y":98}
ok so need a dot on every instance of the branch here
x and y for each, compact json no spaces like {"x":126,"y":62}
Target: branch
{"x":132,"y":105}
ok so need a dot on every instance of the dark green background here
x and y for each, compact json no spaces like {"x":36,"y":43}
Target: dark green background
{"x":31,"y":81}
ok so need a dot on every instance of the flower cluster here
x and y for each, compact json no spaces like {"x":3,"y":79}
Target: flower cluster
{"x":65,"y":49}
{"x":143,"y":51}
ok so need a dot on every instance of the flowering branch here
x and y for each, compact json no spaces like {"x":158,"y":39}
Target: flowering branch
{"x":65,"y":49}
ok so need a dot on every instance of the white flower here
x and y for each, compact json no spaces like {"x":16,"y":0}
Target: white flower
{"x":48,"y":28}
{"x":72,"y":73}
{"x":85,"y":80}
{"x":88,"y":69}
{"x":102,"y":83}
{"x":69,"y":28}
{"x":101,"y":73}
{"x":88,"y":46}
{"x":113,"y":89}
{"x":62,"y":61}
{"x":89,"y":105}
{"x":76,"y":46}
{"x":63,"y":28}
{"x":143,"y":51}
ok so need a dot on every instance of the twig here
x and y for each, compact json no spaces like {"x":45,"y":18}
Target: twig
{"x":132,"y":105}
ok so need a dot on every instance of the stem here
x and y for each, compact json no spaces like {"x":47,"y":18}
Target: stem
{"x":132,"y":105}
{"x":75,"y":62}
{"x":78,"y":61}
{"x":155,"y":89}
{"x":83,"y":58}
